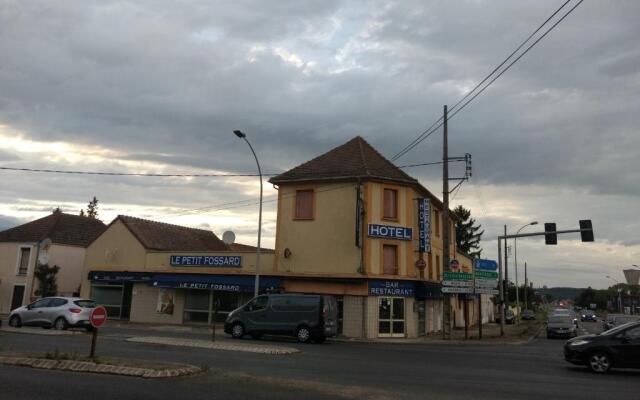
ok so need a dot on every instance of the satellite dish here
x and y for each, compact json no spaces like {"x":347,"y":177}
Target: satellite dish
{"x":228,"y":237}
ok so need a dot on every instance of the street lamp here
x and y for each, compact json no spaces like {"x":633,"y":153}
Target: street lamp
{"x":515,"y":256}
{"x":241,"y":135}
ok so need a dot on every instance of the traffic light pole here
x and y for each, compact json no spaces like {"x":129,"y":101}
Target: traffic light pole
{"x":520,"y":235}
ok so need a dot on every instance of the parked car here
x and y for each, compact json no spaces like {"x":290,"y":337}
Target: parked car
{"x":615,"y":348}
{"x":614,"y":320}
{"x":57,"y":312}
{"x":528,"y":315}
{"x":561,"y":326}
{"x":509,"y":317}
{"x":305,"y":317}
{"x":588,"y":315}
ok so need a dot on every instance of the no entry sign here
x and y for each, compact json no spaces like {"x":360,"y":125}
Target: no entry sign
{"x":98,"y":317}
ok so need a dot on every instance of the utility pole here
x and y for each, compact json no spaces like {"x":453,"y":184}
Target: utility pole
{"x":526,"y":286}
{"x":446,"y":312}
{"x":506,"y":270}
{"x":501,"y":287}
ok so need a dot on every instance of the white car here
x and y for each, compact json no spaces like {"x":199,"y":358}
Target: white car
{"x":54,"y":312}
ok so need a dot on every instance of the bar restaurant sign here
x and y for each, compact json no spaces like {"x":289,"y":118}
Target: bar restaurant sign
{"x":205,"y":261}
{"x":390,"y":232}
{"x":392,"y":288}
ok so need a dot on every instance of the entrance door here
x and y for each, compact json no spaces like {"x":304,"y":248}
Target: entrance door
{"x":391,"y":317}
{"x":18,"y":296}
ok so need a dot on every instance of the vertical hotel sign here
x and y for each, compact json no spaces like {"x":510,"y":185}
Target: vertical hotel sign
{"x":424,"y":226}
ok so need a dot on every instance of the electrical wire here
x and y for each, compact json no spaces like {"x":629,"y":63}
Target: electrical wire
{"x":438,"y":123}
{"x":53,"y":171}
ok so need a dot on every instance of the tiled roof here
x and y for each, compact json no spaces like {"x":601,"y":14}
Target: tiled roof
{"x":167,"y":237}
{"x":354,"y":159}
{"x":61,"y":228}
{"x":246,"y":247}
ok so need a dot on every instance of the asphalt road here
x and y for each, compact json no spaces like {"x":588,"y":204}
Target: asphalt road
{"x":332,"y":370}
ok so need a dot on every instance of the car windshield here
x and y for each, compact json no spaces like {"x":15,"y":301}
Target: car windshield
{"x":85,"y":303}
{"x":559,"y":320}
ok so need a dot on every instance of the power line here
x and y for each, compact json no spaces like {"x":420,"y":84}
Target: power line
{"x":438,"y":123}
{"x":53,"y":171}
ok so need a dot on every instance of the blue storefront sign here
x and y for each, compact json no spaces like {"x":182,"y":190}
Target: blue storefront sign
{"x":424,"y":226}
{"x":205,"y":261}
{"x":484,"y":265}
{"x":390,"y":232}
{"x":392,"y":288}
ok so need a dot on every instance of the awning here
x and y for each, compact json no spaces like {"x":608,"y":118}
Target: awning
{"x":428,"y":290}
{"x":119,"y":276}
{"x":227,"y":283}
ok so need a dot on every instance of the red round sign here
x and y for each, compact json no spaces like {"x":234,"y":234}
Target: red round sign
{"x":98,"y":317}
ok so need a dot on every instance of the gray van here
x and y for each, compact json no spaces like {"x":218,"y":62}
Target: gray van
{"x":304,"y":316}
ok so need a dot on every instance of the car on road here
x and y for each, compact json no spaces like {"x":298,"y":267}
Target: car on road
{"x":54,"y":312}
{"x":306,"y":317}
{"x":561,"y":326}
{"x":565,"y":312}
{"x":614,"y":320}
{"x":588,"y":315}
{"x":528,"y":315}
{"x":615,"y":348}
{"x":509,"y":317}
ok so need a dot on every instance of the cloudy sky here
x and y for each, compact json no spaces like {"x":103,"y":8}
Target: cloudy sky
{"x":158,"y":87}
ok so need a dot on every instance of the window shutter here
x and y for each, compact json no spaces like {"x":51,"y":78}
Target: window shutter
{"x":390,"y":259}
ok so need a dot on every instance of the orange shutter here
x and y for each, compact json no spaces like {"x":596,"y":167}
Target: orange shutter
{"x":304,"y":204}
{"x":390,"y":203}
{"x":390,"y":259}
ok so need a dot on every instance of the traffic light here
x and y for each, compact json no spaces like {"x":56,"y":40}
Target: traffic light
{"x":550,"y":238}
{"x":586,"y":235}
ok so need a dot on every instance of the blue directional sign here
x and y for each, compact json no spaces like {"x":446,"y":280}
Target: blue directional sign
{"x":484,"y":265}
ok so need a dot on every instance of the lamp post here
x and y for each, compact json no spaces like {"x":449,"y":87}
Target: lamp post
{"x":515,"y":256}
{"x":619,"y":295}
{"x":241,"y":135}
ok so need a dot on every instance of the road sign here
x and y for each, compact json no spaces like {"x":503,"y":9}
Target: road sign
{"x":457,"y":276}
{"x":98,"y":317}
{"x":486,"y":282}
{"x":485,"y":265}
{"x":458,"y":283}
{"x":486,"y":274}
{"x":456,"y":289}
{"x":486,"y":291}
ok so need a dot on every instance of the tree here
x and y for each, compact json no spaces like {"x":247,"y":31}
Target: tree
{"x":47,"y":280}
{"x":92,"y":209}
{"x":468,"y":234}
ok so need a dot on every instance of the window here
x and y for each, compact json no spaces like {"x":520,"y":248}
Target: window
{"x":304,"y":204}
{"x":23,"y":265}
{"x":430,"y":265}
{"x":57,"y":302}
{"x":438,"y":268}
{"x":436,"y":226}
{"x":41,"y":303}
{"x":390,"y":206}
{"x":389,"y":259}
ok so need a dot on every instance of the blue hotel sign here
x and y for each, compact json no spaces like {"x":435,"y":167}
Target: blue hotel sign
{"x":390,"y":232}
{"x":424,"y":226}
{"x":205,"y":261}
{"x":392,"y":288}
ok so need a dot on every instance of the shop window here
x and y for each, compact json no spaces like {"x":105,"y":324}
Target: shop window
{"x":390,"y":204}
{"x":390,"y":259}
{"x":109,"y":296}
{"x":204,"y":306}
{"x":304,"y":204}
{"x":23,"y":263}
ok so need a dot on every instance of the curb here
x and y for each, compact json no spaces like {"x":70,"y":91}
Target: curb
{"x":203,"y":344}
{"x":87,"y":366}
{"x":41,"y":331}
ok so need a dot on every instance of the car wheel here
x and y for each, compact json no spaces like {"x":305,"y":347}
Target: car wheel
{"x":599,"y":362}
{"x":303,"y":334}
{"x":237,"y":331}
{"x":60,"y":324}
{"x":15,"y":322}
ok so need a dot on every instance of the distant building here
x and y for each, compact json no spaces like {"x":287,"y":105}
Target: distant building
{"x":57,"y":239}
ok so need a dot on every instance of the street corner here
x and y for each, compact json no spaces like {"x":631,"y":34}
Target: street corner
{"x":237,"y":346}
{"x":123,"y":367}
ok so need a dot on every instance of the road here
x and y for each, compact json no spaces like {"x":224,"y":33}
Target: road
{"x":333,"y":370}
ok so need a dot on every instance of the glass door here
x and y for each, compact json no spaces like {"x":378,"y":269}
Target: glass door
{"x":391,"y":317}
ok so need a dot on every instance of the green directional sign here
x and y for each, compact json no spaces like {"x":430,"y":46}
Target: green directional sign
{"x":457,"y":276}
{"x":486,"y":274}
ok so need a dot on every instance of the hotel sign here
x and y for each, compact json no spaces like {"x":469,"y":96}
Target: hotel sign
{"x":424,"y":226}
{"x":390,"y":232}
{"x":205,"y":261}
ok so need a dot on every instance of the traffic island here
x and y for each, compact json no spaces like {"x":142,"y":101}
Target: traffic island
{"x":102,"y":365}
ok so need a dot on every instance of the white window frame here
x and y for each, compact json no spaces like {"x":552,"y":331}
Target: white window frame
{"x":19,"y":258}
